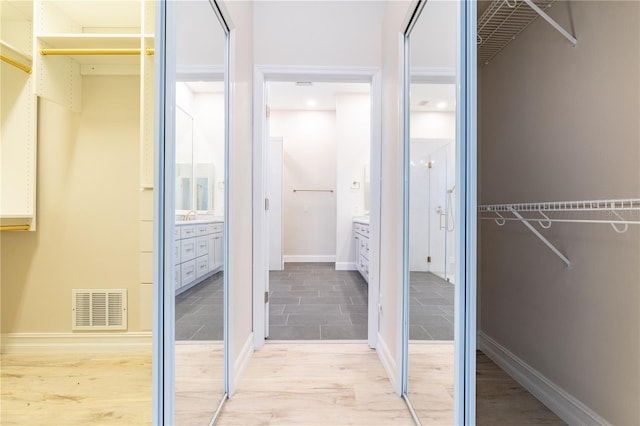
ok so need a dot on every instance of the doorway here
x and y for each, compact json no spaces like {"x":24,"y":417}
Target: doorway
{"x":318,"y":157}
{"x":315,"y":193}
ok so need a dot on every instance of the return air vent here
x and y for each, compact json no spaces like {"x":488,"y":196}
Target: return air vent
{"x":99,"y":309}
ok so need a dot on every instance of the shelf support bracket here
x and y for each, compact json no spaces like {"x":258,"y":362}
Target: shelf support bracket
{"x":542,"y":238}
{"x":551,"y":21}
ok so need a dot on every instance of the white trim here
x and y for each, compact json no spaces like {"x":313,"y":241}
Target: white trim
{"x":288,"y":258}
{"x":346,"y":266}
{"x":241,"y":363}
{"x":561,"y":402}
{"x":84,"y":342}
{"x":389,"y":364}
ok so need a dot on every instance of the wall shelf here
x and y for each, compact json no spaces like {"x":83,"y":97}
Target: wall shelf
{"x":504,"y":20}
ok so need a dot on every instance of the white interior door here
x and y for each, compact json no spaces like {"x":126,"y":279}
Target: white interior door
{"x":274,"y":194}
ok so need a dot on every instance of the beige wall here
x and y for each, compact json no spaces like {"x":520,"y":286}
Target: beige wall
{"x":561,"y":123}
{"x":87,"y":201}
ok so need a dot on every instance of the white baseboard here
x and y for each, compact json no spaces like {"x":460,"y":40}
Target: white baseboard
{"x":563,"y":404}
{"x":241,"y":363}
{"x":319,"y":258}
{"x":92,"y":342}
{"x":388,"y":363}
{"x":346,"y":266}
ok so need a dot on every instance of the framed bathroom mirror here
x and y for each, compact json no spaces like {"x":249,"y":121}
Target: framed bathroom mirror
{"x":193,"y":173}
{"x":439,"y":213}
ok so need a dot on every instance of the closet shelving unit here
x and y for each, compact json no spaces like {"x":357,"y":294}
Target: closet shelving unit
{"x":619,"y":213}
{"x":19,"y":118}
{"x":504,"y":20}
{"x":75,"y":38}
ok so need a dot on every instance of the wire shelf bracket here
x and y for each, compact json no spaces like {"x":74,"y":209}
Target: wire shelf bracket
{"x":504,"y":20}
{"x":613,"y":207}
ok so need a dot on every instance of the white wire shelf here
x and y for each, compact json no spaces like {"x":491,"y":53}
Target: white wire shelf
{"x":613,"y":208}
{"x":504,"y":20}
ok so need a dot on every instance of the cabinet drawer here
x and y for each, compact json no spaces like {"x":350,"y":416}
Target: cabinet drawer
{"x":187,"y":249}
{"x":187,"y":231}
{"x":202,"y":266}
{"x":176,"y":233}
{"x":187,"y":272}
{"x":202,"y":246}
{"x":202,"y":229}
{"x":215,"y":227}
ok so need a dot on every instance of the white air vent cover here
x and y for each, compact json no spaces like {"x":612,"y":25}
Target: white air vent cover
{"x":99,"y":309}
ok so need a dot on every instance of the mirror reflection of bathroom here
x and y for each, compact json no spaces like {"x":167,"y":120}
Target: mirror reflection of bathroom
{"x":432,"y":210}
{"x":318,"y":188}
{"x":199,"y":212}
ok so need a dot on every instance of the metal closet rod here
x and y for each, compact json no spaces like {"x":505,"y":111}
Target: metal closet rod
{"x":17,"y":64}
{"x":612,"y":206}
{"x":14,"y":227}
{"x":67,"y":52}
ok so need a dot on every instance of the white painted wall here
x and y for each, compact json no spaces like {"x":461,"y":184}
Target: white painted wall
{"x":435,"y":45}
{"x":353,"y":136}
{"x":240,"y":189}
{"x":433,"y":125}
{"x":561,"y":123}
{"x":331,"y":33}
{"x":395,"y":18}
{"x":309,"y":218}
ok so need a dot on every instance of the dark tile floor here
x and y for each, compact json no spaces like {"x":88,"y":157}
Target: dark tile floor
{"x":313,"y":301}
{"x":199,"y":311}
{"x":431,"y":307}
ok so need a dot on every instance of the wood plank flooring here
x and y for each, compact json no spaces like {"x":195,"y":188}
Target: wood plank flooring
{"x":75,"y":389}
{"x":315,"y":384}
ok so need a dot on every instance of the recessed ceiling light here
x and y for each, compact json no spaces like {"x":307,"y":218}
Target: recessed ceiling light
{"x":441,"y":105}
{"x":311,"y":103}
{"x":423,"y":103}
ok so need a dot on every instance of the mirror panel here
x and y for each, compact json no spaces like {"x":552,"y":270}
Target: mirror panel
{"x":431,"y":145}
{"x":198,"y":231}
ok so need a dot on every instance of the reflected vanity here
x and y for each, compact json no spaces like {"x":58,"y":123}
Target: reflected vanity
{"x":198,"y":227}
{"x":430,"y":145}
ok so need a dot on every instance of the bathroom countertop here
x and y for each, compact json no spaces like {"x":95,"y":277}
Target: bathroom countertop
{"x":361,"y":219}
{"x":215,"y":219}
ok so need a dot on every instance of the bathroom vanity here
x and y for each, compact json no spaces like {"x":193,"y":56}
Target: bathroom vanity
{"x":361,"y":235}
{"x":198,"y":251}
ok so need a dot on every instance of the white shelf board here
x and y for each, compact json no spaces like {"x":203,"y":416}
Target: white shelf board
{"x":91,"y":41}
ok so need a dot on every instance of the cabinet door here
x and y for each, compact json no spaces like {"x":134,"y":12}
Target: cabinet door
{"x":212,"y":251}
{"x":218,"y":250}
{"x":202,"y":246}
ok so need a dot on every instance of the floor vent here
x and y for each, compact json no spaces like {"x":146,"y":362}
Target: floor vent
{"x":99,"y":309}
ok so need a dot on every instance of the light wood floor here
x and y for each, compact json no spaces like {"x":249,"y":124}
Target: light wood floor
{"x":315,"y":384}
{"x":75,"y":389}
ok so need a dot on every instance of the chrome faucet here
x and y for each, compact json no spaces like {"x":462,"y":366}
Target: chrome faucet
{"x":188,"y":215}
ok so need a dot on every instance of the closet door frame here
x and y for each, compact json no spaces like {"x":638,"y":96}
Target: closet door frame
{"x":466,"y":217}
{"x":163,"y":350}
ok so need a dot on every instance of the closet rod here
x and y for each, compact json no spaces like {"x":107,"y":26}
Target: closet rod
{"x":313,"y":190}
{"x":67,"y":52}
{"x":13,"y":62}
{"x":14,"y":227}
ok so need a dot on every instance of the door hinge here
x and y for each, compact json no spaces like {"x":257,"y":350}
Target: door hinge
{"x":428,"y":259}
{"x":266,"y":204}
{"x":266,"y":297}
{"x":268,"y":111}
{"x":430,"y":164}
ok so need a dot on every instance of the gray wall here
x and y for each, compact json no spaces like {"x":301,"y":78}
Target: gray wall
{"x":561,"y":123}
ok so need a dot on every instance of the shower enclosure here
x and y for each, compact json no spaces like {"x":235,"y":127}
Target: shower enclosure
{"x":432,"y":217}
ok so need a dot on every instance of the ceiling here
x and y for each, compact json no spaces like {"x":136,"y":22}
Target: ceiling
{"x":322,"y":96}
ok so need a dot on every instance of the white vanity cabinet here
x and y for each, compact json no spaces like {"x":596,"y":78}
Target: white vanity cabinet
{"x":361,"y":235}
{"x":198,"y":253}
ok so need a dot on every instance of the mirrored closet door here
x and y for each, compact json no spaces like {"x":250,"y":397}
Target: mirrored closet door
{"x":432,"y":141}
{"x":196,"y":122}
